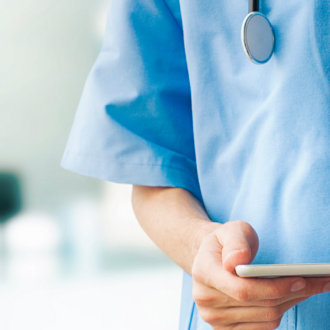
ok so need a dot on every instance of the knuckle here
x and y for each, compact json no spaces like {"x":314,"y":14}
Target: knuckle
{"x":208,"y":315}
{"x":241,"y":294}
{"x":202,"y":299}
{"x":244,"y":226}
{"x":272,"y":314}
{"x":201,"y":296}
{"x":197,"y":294}
{"x":197,"y":274}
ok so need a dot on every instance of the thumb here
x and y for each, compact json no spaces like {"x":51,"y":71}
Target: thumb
{"x":239,"y":244}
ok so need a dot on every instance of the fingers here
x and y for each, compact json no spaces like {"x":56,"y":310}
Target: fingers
{"x":226,"y":317}
{"x":315,"y":285}
{"x":240,"y":244}
{"x":248,"y":290}
{"x":252,"y":326}
{"x":249,"y":314}
{"x":208,"y":270}
{"x":205,"y":296}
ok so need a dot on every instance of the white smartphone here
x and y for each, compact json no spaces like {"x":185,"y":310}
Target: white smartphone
{"x":269,"y":271}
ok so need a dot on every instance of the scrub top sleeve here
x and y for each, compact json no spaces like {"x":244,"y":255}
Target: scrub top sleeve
{"x":134,"y":121}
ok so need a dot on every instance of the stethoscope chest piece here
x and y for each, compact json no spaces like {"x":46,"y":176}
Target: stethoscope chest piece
{"x":258,"y":37}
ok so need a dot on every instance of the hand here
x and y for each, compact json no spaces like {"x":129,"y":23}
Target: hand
{"x":226,"y":301}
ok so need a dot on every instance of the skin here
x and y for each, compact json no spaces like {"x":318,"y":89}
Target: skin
{"x":209,"y":251}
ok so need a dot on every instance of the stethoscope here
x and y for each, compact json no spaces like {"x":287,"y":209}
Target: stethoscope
{"x":258,"y":36}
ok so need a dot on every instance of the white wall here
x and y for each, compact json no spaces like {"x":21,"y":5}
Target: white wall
{"x":47,"y":50}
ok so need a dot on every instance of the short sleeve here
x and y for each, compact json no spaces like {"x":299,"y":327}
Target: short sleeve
{"x":134,"y":121}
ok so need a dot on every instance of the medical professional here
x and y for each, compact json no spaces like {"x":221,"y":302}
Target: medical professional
{"x":230,"y":159}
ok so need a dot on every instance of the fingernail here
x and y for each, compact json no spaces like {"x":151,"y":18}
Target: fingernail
{"x":298,"y":285}
{"x":326,"y":288}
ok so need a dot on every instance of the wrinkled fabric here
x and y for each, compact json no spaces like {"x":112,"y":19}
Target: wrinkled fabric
{"x":172,"y":100}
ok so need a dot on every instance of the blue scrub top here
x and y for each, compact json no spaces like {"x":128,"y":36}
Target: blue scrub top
{"x":172,"y":100}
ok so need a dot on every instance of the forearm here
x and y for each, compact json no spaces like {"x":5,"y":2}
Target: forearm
{"x":174,"y":220}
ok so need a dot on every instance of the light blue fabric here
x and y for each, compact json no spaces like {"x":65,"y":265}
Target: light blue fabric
{"x":172,"y":100}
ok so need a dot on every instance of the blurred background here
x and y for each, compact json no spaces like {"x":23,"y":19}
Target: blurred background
{"x":72,"y":255}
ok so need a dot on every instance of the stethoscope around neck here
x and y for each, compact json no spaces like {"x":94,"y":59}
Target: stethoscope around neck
{"x":257,"y":34}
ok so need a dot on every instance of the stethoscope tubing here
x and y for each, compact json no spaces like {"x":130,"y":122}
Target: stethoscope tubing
{"x":253,"y":6}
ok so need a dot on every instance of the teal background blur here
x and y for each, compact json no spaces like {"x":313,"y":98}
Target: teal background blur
{"x":74,"y":256}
